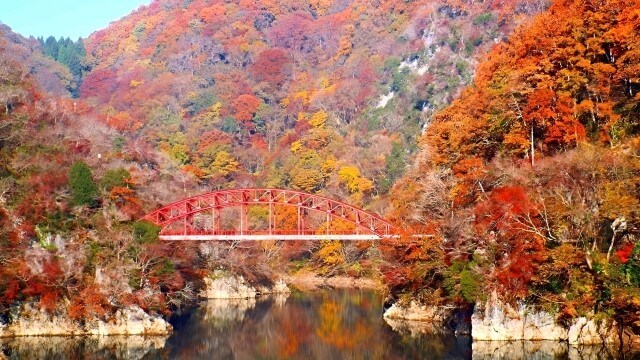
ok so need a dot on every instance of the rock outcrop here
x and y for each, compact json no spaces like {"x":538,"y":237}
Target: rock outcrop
{"x":31,"y":321}
{"x":131,"y":321}
{"x":416,"y":319}
{"x":495,"y":320}
{"x":418,"y":312}
{"x":222,"y":285}
{"x":588,"y":332}
{"x":279,"y":287}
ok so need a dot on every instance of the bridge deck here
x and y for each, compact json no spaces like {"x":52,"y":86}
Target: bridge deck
{"x":262,"y":237}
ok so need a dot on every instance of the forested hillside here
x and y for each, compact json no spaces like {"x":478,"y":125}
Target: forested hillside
{"x":272,"y":93}
{"x":530,"y":178}
{"x":67,"y":201}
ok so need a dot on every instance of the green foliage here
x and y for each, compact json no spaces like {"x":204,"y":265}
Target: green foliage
{"x":118,"y":143}
{"x":83,"y":190}
{"x":115,"y":178}
{"x":230,"y":125}
{"x":394,"y":166}
{"x":69,"y":53}
{"x":199,"y":102}
{"x":632,"y":267}
{"x":461,"y":280}
{"x":44,"y":239}
{"x":166,"y":268}
{"x":92,"y":251}
{"x":483,"y":19}
{"x":145,"y":232}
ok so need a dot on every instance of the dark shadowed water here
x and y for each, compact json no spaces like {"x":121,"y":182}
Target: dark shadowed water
{"x":336,"y":324}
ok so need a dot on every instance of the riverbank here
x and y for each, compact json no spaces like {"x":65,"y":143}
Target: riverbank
{"x":495,"y":321}
{"x":30,"y":320}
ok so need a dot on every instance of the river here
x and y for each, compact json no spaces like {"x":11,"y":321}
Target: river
{"x":336,"y":324}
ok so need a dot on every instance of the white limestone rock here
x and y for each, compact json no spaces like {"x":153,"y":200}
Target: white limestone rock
{"x":32,"y":321}
{"x":416,"y":319}
{"x":588,"y":332}
{"x":131,"y":321}
{"x":418,"y":312}
{"x":495,"y":320}
{"x":279,"y":287}
{"x":224,"y":286}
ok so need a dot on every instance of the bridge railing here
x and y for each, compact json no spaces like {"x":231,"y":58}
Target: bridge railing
{"x":254,"y":232}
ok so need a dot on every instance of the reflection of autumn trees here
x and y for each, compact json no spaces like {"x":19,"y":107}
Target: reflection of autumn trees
{"x":335,"y":330}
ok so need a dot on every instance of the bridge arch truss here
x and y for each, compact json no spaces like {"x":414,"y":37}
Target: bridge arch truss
{"x":182,"y":220}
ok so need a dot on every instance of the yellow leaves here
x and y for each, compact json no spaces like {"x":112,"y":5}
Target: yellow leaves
{"x":354,"y":182}
{"x":180,"y":153}
{"x":134,"y":83}
{"x":304,"y":96}
{"x":618,"y":199}
{"x":324,"y":83}
{"x":215,"y":109}
{"x":307,"y":180}
{"x":224,"y":164}
{"x":331,"y":252}
{"x":296,"y":146}
{"x":318,"y":119}
{"x":302,"y":116}
{"x":329,"y":164}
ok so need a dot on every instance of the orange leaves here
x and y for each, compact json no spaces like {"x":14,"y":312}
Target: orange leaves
{"x":244,"y":107}
{"x":469,"y":174}
{"x":271,"y":66}
{"x":126,"y":200}
{"x":89,"y":303}
{"x":508,"y":221}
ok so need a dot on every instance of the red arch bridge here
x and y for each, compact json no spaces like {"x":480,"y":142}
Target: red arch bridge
{"x":266,"y":214}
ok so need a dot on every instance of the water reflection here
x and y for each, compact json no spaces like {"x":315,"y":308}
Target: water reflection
{"x":89,"y":347}
{"x":327,"y":325}
{"x":345,"y":324}
{"x":540,"y":350}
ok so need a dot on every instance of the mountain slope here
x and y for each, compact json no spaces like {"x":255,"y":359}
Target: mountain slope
{"x":272,"y":93}
{"x":529,"y":180}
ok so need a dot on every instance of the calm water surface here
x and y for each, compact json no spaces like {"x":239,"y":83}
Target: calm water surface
{"x":325,"y":325}
{"x":336,"y":324}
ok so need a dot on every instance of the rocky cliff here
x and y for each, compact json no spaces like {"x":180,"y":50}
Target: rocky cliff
{"x":29,"y":320}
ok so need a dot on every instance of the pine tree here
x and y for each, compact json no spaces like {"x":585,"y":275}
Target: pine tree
{"x":50,"y":47}
{"x":83,"y":189}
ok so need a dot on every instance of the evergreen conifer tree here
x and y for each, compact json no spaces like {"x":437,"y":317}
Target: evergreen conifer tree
{"x":83,"y":189}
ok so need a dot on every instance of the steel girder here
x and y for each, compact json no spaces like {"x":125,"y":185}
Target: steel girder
{"x":210,"y":203}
